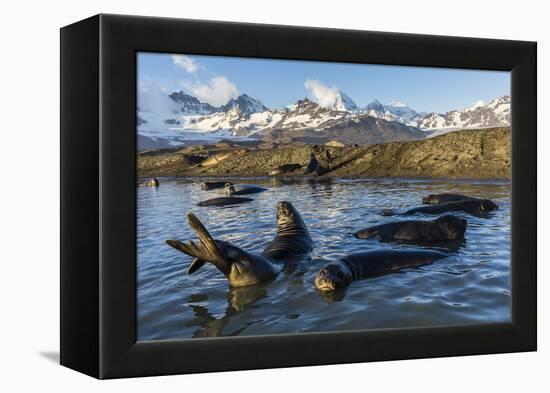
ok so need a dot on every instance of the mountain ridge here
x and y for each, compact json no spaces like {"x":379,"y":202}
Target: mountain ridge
{"x":343,"y":120}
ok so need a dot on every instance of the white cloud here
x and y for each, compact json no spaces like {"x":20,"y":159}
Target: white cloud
{"x":325,"y":96}
{"x":216,"y":92}
{"x":154,"y":99}
{"x":185,"y":62}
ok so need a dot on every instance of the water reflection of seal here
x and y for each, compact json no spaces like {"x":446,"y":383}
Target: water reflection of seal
{"x":447,"y":227}
{"x":224,"y":201}
{"x":476,"y":207}
{"x":435,"y":199}
{"x":241,"y":267}
{"x":338,"y":275}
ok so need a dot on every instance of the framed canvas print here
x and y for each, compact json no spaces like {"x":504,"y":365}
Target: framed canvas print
{"x":298,"y":196}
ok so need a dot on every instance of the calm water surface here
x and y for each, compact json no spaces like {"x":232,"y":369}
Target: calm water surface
{"x":470,"y":287}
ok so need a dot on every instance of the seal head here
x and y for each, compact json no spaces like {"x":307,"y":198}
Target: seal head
{"x":289,"y":221}
{"x":332,"y":277}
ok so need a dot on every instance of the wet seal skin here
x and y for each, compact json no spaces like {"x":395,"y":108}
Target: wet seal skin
{"x":444,"y":228}
{"x":475,"y":207}
{"x":212,"y":185}
{"x":152,"y":183}
{"x":230,"y":190}
{"x":338,"y":275}
{"x":435,"y":199}
{"x":291,"y":244}
{"x":224,"y":201}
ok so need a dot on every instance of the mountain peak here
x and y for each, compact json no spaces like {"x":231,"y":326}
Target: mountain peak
{"x":190,"y":105}
{"x":245,"y":103}
{"x":475,"y":105}
{"x":376,"y":106}
{"x":397,"y":104}
{"x":180,"y":97}
{"x":344,"y":103}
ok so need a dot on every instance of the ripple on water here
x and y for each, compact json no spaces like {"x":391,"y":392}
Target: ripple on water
{"x":471,"y":287}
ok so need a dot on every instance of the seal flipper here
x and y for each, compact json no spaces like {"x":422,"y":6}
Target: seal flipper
{"x":195,"y":265}
{"x":207,"y":251}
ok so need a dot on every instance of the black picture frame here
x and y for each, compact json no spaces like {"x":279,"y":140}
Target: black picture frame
{"x":98,"y":195}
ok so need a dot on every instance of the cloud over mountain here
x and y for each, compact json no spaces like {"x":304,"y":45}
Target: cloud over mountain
{"x":325,"y":96}
{"x":217,"y":91}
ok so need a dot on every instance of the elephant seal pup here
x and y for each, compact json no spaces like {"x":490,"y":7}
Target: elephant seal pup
{"x":284,"y":169}
{"x":152,"y":183}
{"x":240,"y":267}
{"x":230,"y":190}
{"x":293,"y":240}
{"x":212,"y":185}
{"x":436,"y":199}
{"x":338,"y":275}
{"x":475,"y":207}
{"x":446,"y":227}
{"x":224,"y":201}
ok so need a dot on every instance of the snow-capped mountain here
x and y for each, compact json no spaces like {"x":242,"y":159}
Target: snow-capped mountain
{"x":190,"y":105}
{"x":344,"y":104}
{"x":245,"y":104}
{"x":179,"y":116}
{"x":303,"y":114}
{"x":395,"y":111}
{"x":479,"y":115}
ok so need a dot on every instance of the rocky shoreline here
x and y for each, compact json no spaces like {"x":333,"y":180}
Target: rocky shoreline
{"x":466,"y":154}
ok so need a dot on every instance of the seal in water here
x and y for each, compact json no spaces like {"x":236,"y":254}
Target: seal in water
{"x":224,"y":201}
{"x":338,"y":275}
{"x":475,"y":207}
{"x":241,"y":267}
{"x":152,"y":183}
{"x":211,"y":185}
{"x":230,"y":190}
{"x":284,"y":169}
{"x":447,"y":227}
{"x":436,"y":199}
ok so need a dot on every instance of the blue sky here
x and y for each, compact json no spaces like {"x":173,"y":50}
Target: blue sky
{"x":278,"y":83}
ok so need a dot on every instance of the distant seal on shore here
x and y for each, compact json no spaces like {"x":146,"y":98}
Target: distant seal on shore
{"x":338,"y":275}
{"x":447,"y":227}
{"x":242,"y":268}
{"x":211,"y":185}
{"x":314,"y":167}
{"x":435,"y":199}
{"x":224,"y":201}
{"x":284,"y":169}
{"x":152,"y":183}
{"x":231,"y":189}
{"x":474,"y":207}
{"x":313,"y":164}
